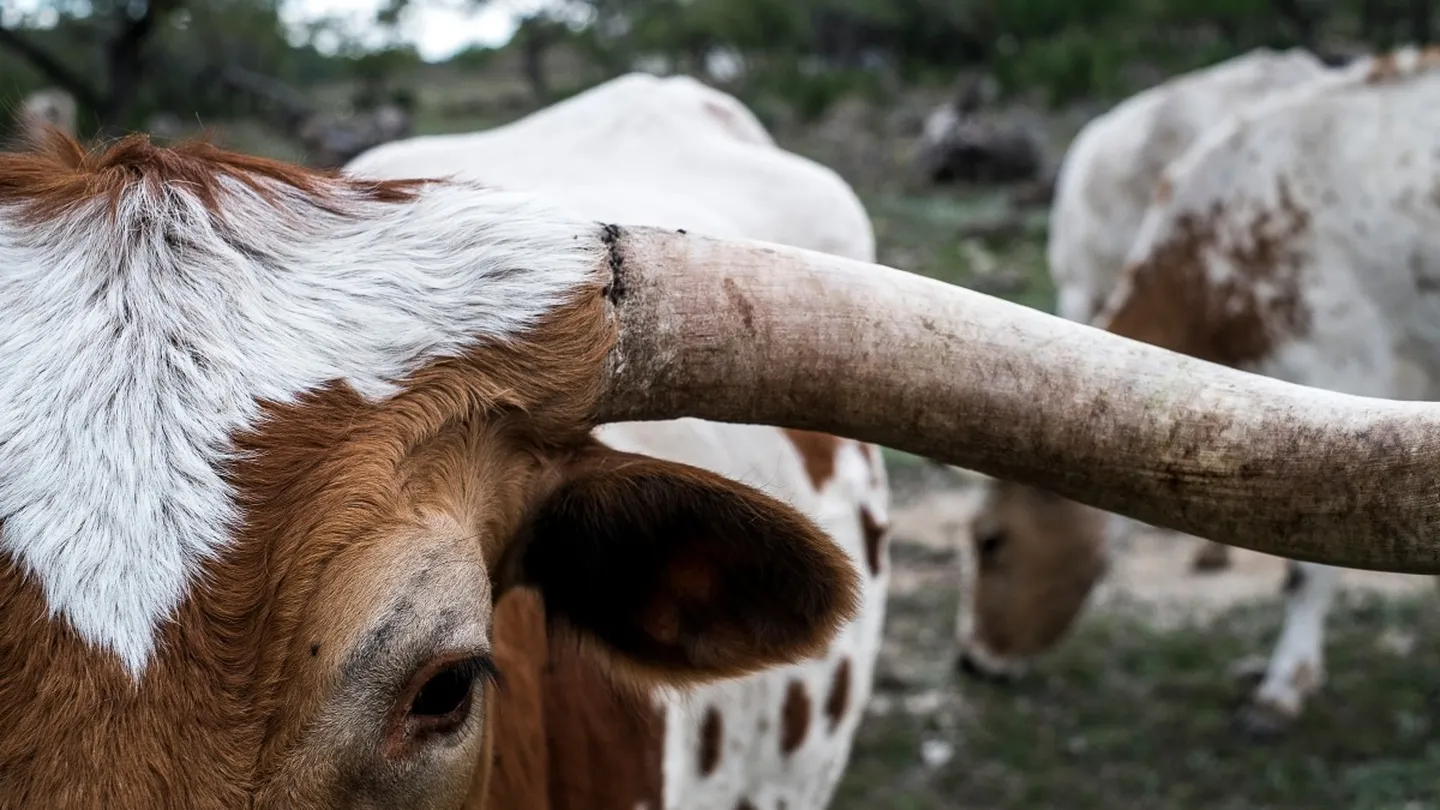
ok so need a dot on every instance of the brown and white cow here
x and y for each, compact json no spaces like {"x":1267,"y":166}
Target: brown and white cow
{"x":1107,"y":177}
{"x":672,"y":152}
{"x":1300,"y":239}
{"x":273,"y":442}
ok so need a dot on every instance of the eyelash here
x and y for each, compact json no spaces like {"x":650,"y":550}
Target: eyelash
{"x":480,"y":667}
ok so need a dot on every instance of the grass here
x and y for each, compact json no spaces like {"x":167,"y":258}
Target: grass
{"x":1124,"y":716}
{"x":927,"y":233}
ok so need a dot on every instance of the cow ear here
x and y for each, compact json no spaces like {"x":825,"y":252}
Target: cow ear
{"x":681,"y":575}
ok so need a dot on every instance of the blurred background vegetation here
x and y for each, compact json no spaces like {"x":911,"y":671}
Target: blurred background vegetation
{"x":128,"y":60}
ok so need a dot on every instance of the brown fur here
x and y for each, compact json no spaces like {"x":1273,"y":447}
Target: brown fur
{"x":482,"y":466}
{"x":58,"y":175}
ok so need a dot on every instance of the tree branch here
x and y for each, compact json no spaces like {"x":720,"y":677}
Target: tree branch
{"x":126,"y":59}
{"x":292,"y":106}
{"x":68,"y":80}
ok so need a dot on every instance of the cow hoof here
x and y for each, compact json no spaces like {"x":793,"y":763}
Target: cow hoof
{"x":966,"y":665}
{"x":1249,"y":672}
{"x":1210,"y":559}
{"x":1259,"y":722}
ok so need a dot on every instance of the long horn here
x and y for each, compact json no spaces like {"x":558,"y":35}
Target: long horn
{"x":752,"y":332}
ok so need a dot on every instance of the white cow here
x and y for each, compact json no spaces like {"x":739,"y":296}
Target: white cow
{"x":1299,"y":239}
{"x":610,"y":150}
{"x":675,"y":153}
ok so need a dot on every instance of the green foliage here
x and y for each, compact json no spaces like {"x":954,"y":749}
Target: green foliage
{"x":802,"y":55}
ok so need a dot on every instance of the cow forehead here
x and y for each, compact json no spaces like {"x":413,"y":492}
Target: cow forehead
{"x":141,"y":333}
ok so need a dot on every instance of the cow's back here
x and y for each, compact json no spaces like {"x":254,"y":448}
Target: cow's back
{"x":609,"y":153}
{"x":1110,"y":171}
{"x":1308,"y":227}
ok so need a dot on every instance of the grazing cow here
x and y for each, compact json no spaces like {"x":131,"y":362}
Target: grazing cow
{"x":1108,"y":175}
{"x":674,"y":152}
{"x":274,"y":441}
{"x":1297,"y":239}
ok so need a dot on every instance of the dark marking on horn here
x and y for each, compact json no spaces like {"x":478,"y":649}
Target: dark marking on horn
{"x":610,"y":235}
{"x":741,"y":303}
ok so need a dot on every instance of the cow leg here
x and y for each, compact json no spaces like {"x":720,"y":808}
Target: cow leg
{"x":1349,"y":349}
{"x":1297,"y":665}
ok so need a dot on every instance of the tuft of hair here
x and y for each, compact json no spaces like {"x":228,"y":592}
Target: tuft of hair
{"x":54,"y":174}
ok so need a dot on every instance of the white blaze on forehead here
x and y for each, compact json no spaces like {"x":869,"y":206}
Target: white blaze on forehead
{"x":135,"y":348}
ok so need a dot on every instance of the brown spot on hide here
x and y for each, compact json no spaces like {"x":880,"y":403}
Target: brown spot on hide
{"x":1164,"y":190}
{"x":1382,"y":67}
{"x":794,"y":717}
{"x":874,"y":534}
{"x":1174,"y":302}
{"x":712,"y":734}
{"x":839,"y":696}
{"x":818,"y":452}
{"x":1386,"y":67}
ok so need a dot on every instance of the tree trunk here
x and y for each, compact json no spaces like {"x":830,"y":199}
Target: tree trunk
{"x":1419,"y":19}
{"x":533,"y":50}
{"x":1300,"y":20}
{"x":126,"y":61}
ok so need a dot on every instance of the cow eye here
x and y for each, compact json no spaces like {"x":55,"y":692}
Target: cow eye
{"x":990,"y":542}
{"x":444,"y":695}
{"x":441,"y":695}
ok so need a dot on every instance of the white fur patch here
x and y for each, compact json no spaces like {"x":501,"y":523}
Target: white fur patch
{"x":135,"y":348}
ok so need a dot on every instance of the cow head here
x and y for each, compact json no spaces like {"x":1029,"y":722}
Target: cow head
{"x":272,"y":452}
{"x":1033,"y":560}
{"x":273,"y":442}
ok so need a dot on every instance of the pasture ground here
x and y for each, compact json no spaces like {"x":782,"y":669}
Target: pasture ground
{"x":1133,"y":710}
